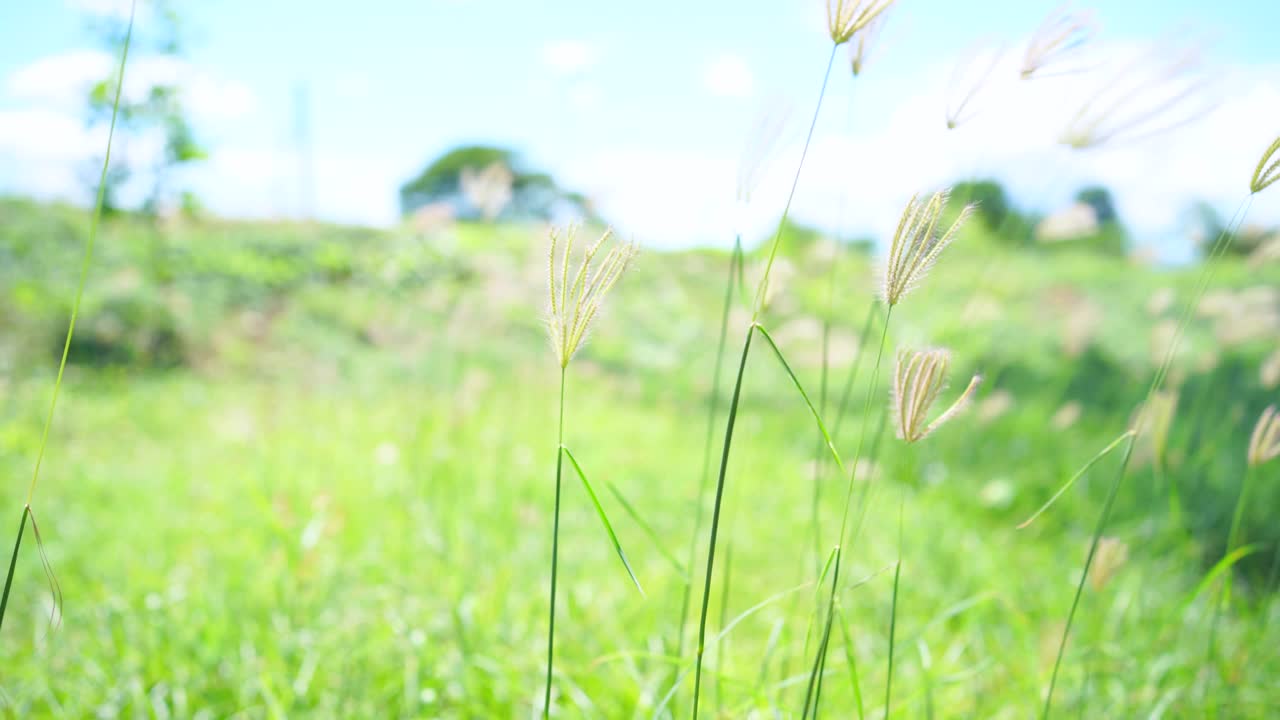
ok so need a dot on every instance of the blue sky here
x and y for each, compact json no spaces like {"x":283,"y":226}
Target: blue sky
{"x":645,"y":106}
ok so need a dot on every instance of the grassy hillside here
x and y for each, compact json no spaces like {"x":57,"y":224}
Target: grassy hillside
{"x":306,"y":471}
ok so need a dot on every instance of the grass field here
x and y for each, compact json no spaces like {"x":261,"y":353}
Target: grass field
{"x":306,"y":471}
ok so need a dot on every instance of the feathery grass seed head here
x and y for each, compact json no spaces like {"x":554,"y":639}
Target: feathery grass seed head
{"x":918,"y":380}
{"x":1153,"y":93}
{"x":862,"y":43}
{"x":1266,"y":174}
{"x":576,"y":300}
{"x":917,"y":244}
{"x":1264,"y":443}
{"x":970,"y":78}
{"x":1057,"y":40}
{"x":846,"y":17}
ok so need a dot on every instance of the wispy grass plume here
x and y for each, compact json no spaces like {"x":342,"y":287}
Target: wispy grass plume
{"x":1155,"y":92}
{"x":1058,"y":42}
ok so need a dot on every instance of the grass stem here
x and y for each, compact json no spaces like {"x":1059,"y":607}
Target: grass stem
{"x":1219,"y":249}
{"x":555,"y":551}
{"x":761,"y":293}
{"x":815,"y":676}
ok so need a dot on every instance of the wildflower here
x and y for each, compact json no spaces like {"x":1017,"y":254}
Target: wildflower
{"x":916,"y":244}
{"x":1066,"y":416}
{"x":917,"y":381}
{"x":1269,"y":373}
{"x":575,"y":301}
{"x":846,"y":17}
{"x":1112,"y":554}
{"x":1061,"y":35}
{"x":1160,"y":301}
{"x":1080,"y":326}
{"x":1265,"y":175}
{"x":1155,"y":93}
{"x":1264,"y":443}
{"x":994,"y":405}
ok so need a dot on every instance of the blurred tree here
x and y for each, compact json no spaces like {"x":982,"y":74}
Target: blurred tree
{"x":1099,"y":198}
{"x":466,"y":178}
{"x":1001,"y":221}
{"x":990,"y":197}
{"x":158,"y":111}
{"x":1110,"y":237}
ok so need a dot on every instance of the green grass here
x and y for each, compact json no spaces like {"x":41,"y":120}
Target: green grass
{"x":235,"y":535}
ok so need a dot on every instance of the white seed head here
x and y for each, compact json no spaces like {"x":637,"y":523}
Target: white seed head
{"x":861,"y":45}
{"x":1264,"y":443}
{"x":1057,"y":42}
{"x":969,"y":79}
{"x":917,"y":244}
{"x":1154,"y":93}
{"x":918,"y":379}
{"x":576,"y":300}
{"x":846,"y":17}
{"x":1266,"y":174}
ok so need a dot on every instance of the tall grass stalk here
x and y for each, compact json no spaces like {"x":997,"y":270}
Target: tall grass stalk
{"x":893,"y":612}
{"x":815,"y":677}
{"x":758,"y":307}
{"x":1220,"y":247}
{"x":555,"y":550}
{"x":713,"y":409}
{"x":575,"y":301}
{"x":819,"y":459}
{"x":1233,"y":540}
{"x":86,"y":263}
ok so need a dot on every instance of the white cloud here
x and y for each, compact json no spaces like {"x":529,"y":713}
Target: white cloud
{"x":568,"y":57}
{"x":728,"y":76}
{"x":857,"y":181}
{"x":64,"y":80}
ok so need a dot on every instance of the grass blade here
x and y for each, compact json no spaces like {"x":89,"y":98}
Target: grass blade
{"x":647,"y":529}
{"x":800,"y":388}
{"x":850,"y":659}
{"x":604,"y":518}
{"x":86,"y":263}
{"x":1220,"y":247}
{"x":713,"y":408}
{"x":761,"y":293}
{"x":1079,"y":474}
{"x":13,"y":562}
{"x":1222,"y":566}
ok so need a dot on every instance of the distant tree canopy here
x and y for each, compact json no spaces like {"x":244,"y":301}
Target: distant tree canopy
{"x":1001,"y":220}
{"x":533,"y":193}
{"x":990,"y":197}
{"x":1111,"y":237}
